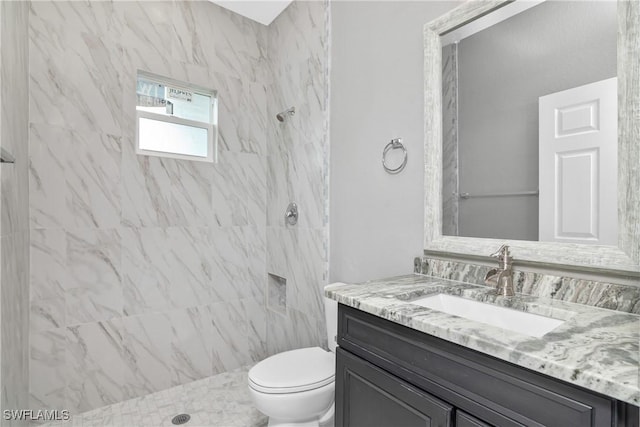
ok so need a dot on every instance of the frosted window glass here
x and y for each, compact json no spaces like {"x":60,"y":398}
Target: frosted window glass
{"x":157,"y":135}
{"x":169,"y":100}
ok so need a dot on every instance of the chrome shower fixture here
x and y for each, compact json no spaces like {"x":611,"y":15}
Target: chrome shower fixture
{"x":284,"y":114}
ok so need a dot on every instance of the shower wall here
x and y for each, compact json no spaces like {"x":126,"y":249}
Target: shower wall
{"x":146,"y":272}
{"x":149,"y":272}
{"x":297,"y":171}
{"x":14,"y":208}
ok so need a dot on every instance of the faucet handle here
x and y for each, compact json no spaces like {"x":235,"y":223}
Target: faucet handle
{"x":502,"y":253}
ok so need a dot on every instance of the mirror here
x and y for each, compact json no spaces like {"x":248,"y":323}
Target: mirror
{"x":505,"y":174}
{"x":616,"y":255}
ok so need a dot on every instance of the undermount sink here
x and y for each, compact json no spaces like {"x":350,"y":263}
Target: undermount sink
{"x":522,"y":322}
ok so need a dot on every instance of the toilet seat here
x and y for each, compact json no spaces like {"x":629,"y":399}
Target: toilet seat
{"x":293,"y":371}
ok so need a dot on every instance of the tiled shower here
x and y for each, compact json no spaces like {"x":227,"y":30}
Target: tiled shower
{"x":122,"y":274}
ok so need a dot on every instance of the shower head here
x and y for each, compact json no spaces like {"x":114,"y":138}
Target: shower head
{"x":284,"y":114}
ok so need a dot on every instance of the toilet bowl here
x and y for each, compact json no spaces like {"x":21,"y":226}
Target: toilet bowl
{"x":296,"y":388}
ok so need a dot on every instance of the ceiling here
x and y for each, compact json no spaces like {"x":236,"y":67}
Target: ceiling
{"x":262,"y":11}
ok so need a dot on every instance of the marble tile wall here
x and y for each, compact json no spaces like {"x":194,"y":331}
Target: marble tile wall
{"x":612,"y":296}
{"x":14,"y":208}
{"x":150,"y":272}
{"x":297,"y":171}
{"x":146,"y":272}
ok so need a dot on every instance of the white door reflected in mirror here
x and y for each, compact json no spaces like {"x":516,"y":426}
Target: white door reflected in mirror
{"x":578,"y":164}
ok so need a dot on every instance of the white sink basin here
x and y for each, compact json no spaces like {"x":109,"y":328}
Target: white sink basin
{"x":522,"y":322}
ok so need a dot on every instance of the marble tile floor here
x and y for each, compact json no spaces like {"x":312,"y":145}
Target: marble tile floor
{"x":218,"y":401}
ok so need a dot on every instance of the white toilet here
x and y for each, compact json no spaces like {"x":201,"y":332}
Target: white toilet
{"x":296,"y":388}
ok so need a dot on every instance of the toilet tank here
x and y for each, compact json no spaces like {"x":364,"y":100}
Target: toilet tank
{"x":331,"y":319}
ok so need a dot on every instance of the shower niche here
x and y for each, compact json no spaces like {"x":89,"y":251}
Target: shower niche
{"x":277,"y":294}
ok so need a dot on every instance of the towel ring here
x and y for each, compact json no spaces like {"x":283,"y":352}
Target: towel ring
{"x":395,"y":143}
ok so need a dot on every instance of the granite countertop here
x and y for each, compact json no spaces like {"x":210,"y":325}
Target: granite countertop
{"x":594,"y":348}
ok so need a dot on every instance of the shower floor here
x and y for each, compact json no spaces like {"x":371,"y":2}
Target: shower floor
{"x":218,"y":401}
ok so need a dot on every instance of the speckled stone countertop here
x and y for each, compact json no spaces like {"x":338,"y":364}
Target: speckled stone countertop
{"x":594,"y":348}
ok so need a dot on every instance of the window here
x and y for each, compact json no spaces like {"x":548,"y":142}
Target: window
{"x":175,"y":119}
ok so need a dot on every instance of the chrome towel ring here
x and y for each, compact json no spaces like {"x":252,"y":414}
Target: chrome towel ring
{"x":394,"y":144}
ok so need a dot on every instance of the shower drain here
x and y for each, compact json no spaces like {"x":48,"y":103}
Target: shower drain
{"x":181,"y":419}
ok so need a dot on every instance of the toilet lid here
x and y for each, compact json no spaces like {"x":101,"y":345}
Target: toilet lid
{"x":293,"y":371}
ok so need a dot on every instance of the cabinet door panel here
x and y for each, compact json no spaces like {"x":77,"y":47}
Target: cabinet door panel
{"x":367,"y":396}
{"x":465,"y":420}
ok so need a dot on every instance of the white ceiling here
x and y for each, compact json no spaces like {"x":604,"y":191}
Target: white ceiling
{"x":262,"y":11}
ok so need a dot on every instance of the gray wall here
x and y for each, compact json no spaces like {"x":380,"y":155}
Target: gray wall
{"x":502,"y":72}
{"x":14,"y":208}
{"x":377,"y":53}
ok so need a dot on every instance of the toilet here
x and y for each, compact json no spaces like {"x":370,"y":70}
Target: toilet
{"x":296,"y":388}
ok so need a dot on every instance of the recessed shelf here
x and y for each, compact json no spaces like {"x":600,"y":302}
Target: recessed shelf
{"x":277,"y":294}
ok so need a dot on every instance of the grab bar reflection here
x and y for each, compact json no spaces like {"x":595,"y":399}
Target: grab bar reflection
{"x":515,"y":193}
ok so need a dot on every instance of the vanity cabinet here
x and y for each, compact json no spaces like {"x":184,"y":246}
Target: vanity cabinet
{"x":391,"y":375}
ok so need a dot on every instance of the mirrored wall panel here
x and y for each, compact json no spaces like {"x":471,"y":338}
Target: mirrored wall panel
{"x":530,"y":124}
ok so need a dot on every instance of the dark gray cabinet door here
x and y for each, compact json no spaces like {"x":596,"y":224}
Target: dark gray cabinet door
{"x":465,"y":420}
{"x":367,"y":396}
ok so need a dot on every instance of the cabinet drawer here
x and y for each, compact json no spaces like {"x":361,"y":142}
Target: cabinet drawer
{"x":496,"y":391}
{"x":367,"y":396}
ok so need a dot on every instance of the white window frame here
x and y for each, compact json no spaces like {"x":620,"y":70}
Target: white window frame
{"x":211,"y":127}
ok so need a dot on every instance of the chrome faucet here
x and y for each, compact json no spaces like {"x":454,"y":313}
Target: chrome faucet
{"x":502,"y":277}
